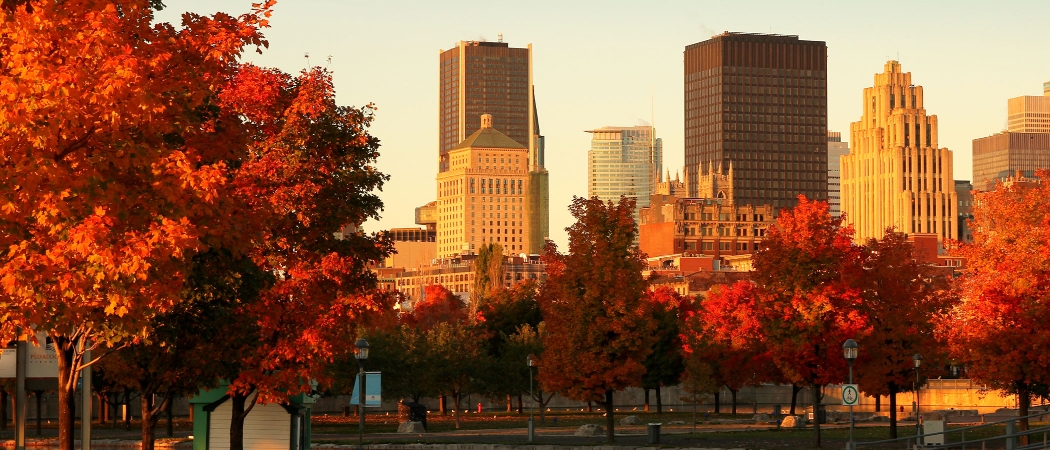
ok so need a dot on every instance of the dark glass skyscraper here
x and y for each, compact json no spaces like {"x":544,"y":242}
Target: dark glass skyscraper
{"x":756,"y":104}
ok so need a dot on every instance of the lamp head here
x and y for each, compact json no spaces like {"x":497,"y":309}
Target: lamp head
{"x":362,"y":349}
{"x":918,"y":360}
{"x":849,"y":350}
{"x":530,"y":360}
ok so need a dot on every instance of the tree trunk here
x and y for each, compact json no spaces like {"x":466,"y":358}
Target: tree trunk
{"x":717,"y":395}
{"x":1024,"y":400}
{"x":68,"y":363}
{"x":646,"y":399}
{"x":240,"y":407}
{"x":3,"y":409}
{"x":816,"y":415}
{"x":543,"y":407}
{"x":733,"y":393}
{"x":589,"y":407}
{"x":521,"y":408}
{"x":455,"y":408}
{"x":659,"y":401}
{"x":878,"y":403}
{"x":795,"y":389}
{"x":170,"y":431}
{"x":39,"y":414}
{"x":442,"y":406}
{"x":510,"y":403}
{"x":609,"y":420}
{"x":127,"y":410}
{"x":148,"y":421}
{"x":893,"y":411}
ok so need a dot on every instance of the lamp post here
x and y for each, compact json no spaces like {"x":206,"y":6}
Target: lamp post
{"x":918,"y":362}
{"x":530,"y":361}
{"x":849,"y":351}
{"x":361,"y":355}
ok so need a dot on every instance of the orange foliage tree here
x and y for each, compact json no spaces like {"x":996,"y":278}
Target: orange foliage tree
{"x":999,"y":327}
{"x":599,"y":327}
{"x":113,"y":167}
{"x":807,"y":270}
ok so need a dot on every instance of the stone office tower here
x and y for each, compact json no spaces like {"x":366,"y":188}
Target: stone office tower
{"x":757,"y":103}
{"x":895,"y":174}
{"x":493,"y":78}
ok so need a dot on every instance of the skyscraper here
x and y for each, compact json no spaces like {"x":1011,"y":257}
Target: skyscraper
{"x":1029,"y":113}
{"x":1002,"y":155}
{"x":895,"y":174}
{"x":494,"y":78}
{"x":758,"y":103}
{"x":624,"y":161}
{"x":836,"y":149}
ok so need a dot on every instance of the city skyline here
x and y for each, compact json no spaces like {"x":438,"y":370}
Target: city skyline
{"x":391,"y":55}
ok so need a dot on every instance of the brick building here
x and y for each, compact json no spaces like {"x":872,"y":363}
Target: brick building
{"x":715,"y":227}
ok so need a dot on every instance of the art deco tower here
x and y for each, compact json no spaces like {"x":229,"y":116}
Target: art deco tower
{"x":895,"y":174}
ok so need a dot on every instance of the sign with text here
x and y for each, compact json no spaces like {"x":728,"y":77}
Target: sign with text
{"x":373,"y":388}
{"x":41,"y":363}
{"x":850,"y":395}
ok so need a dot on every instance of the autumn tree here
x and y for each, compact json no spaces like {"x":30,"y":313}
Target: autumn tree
{"x":599,"y":326}
{"x":196,"y":343}
{"x":999,"y":328}
{"x":807,"y":271}
{"x":903,"y":300}
{"x":504,"y":314}
{"x":113,"y":167}
{"x":488,"y":274}
{"x":306,"y":184}
{"x":664,"y":366}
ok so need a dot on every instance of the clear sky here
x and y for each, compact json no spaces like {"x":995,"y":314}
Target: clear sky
{"x":599,"y":63}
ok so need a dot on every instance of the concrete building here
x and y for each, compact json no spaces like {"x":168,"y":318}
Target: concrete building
{"x":457,"y":275}
{"x":714,"y":227}
{"x":964,"y":193}
{"x":624,"y":161}
{"x":758,"y":103}
{"x":484,"y":197}
{"x":895,"y":174}
{"x":493,"y":78}
{"x":413,"y":247}
{"x":1002,"y":155}
{"x":1029,"y":113}
{"x":836,"y":150}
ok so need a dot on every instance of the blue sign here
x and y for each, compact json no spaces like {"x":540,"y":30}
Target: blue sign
{"x":373,"y":388}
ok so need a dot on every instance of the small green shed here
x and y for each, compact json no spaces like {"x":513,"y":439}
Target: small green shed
{"x":269,"y":426}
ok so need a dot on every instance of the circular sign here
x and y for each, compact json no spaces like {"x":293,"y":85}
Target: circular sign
{"x":850,"y":395}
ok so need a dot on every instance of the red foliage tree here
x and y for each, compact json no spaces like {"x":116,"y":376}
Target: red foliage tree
{"x":903,"y":301}
{"x":306,"y":182}
{"x":599,"y":328}
{"x":439,"y":305}
{"x":999,"y":328}
{"x":664,"y":366}
{"x":807,"y":270}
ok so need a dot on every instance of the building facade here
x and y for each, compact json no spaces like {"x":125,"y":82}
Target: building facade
{"x":1000,"y":156}
{"x":1029,"y":113}
{"x":413,"y":247}
{"x":483,"y":197}
{"x":493,"y":78}
{"x":759,"y":103}
{"x":714,"y":227}
{"x":836,"y":150}
{"x":895,"y":174}
{"x":624,"y":161}
{"x":457,"y":275}
{"x":964,"y":194}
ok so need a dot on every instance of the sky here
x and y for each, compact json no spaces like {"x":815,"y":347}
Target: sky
{"x":612,"y":63}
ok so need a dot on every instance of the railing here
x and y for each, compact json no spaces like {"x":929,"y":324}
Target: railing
{"x":1037,"y":437}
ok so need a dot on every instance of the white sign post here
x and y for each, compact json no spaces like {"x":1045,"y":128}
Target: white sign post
{"x":850,"y":395}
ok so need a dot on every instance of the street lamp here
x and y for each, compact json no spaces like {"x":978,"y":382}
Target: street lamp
{"x":918,"y":362}
{"x":361,"y":355}
{"x":531,"y":361}
{"x":849,"y":351}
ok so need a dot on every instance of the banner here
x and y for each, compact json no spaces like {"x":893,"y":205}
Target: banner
{"x":373,"y":394}
{"x":41,"y":363}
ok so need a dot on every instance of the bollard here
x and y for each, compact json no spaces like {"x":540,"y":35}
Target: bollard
{"x":1009,"y":436}
{"x":653,"y":433}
